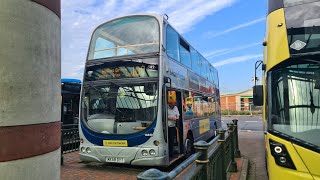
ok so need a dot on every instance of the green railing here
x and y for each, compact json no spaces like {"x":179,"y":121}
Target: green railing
{"x":70,"y":140}
{"x":211,"y":161}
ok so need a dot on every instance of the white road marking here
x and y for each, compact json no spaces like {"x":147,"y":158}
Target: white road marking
{"x":252,"y":121}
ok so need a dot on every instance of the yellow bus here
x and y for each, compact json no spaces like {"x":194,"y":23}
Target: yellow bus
{"x":290,"y":93}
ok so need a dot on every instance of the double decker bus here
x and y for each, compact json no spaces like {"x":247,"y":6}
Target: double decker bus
{"x":133,"y":63}
{"x":290,"y":92}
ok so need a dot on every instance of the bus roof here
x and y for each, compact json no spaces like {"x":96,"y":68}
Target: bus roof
{"x":67,"y":80}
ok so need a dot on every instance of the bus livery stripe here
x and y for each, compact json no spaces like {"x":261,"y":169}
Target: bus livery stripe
{"x":131,"y":140}
{"x":25,"y":141}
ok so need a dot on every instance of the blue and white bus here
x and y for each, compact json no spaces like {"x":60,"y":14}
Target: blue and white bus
{"x":133,"y":62}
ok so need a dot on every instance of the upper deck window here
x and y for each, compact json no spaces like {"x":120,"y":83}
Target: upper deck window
{"x":303,"y":26}
{"x":185,"y":53}
{"x":172,"y":43}
{"x":125,"y":36}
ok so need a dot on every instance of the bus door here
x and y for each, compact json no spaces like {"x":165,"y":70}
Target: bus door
{"x":174,"y":108}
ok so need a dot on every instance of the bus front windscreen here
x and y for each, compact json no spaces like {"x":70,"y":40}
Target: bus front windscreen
{"x":294,"y":101}
{"x":115,"y":108}
{"x":125,"y":36}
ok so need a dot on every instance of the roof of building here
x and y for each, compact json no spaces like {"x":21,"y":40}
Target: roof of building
{"x":248,"y":92}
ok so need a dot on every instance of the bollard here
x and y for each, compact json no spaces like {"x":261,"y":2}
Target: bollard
{"x":233,"y":165}
{"x":153,"y":174}
{"x":237,"y":151}
{"x":202,"y":147}
{"x":221,"y":140}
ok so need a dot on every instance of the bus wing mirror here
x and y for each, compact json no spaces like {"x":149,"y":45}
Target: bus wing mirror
{"x":258,"y":95}
{"x":167,"y":80}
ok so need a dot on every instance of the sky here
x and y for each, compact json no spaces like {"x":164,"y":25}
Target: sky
{"x":229,"y":33}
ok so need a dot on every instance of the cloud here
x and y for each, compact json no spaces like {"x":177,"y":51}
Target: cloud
{"x":79,"y":18}
{"x":221,"y":52}
{"x":240,"y":26}
{"x":237,"y":59}
{"x":188,"y":14}
{"x":215,"y":52}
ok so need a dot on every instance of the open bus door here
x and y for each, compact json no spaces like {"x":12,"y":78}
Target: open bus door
{"x":174,"y":103}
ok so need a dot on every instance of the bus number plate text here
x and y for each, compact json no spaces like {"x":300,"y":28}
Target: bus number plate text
{"x":115,"y":159}
{"x":115,"y":143}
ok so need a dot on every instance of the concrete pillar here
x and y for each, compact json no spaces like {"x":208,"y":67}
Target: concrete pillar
{"x":30,"y":89}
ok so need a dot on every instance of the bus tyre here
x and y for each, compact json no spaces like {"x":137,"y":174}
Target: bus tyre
{"x":189,"y":146}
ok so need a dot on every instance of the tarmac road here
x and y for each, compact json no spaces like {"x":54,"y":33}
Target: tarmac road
{"x":251,"y":144}
{"x":245,"y":123}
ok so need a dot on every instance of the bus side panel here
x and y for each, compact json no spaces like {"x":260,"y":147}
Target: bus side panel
{"x":202,"y":128}
{"x":310,"y":158}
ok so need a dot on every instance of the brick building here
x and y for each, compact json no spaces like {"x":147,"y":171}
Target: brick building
{"x":240,"y":101}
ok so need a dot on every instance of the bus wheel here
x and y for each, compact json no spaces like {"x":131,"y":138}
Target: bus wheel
{"x":189,"y":146}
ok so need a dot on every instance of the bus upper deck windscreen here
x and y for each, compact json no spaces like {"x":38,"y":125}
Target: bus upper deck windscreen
{"x":125,"y":36}
{"x":303,"y":25}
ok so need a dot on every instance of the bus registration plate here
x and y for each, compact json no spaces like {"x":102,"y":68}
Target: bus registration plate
{"x":115,"y":159}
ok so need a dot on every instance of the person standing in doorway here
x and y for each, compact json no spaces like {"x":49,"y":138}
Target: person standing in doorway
{"x":173,"y":116}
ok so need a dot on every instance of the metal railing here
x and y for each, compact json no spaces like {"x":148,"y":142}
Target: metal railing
{"x":211,"y":161}
{"x":70,"y":140}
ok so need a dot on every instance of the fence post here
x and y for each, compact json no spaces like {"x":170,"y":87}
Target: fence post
{"x":233,"y":165}
{"x":237,"y":152}
{"x":221,"y":140}
{"x":154,"y":174}
{"x":202,"y":147}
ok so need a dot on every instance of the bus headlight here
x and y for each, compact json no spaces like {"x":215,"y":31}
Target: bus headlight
{"x":152,"y":152}
{"x":88,"y":150}
{"x":281,"y":155}
{"x":144,"y":153}
{"x":83,"y":149}
{"x":283,"y":160}
{"x":278,"y":149}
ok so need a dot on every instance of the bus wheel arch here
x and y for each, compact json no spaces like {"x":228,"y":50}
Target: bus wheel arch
{"x":189,"y":148}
